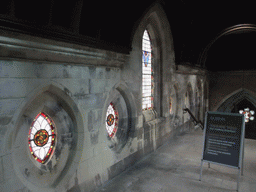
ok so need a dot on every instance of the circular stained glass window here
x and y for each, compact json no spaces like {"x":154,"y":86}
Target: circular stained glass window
{"x":111,"y":120}
{"x":248,"y":114}
{"x":42,"y":138}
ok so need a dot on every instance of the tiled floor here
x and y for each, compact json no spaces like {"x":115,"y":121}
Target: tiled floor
{"x":176,"y":165}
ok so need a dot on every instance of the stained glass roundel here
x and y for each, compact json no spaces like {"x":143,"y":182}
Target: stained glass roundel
{"x":42,"y":138}
{"x":111,"y":120}
{"x":248,"y":114}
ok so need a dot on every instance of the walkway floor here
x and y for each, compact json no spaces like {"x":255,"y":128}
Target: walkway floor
{"x":175,"y":167}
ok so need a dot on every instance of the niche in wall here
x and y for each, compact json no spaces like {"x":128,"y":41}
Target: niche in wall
{"x":117,"y":120}
{"x":45,"y":141}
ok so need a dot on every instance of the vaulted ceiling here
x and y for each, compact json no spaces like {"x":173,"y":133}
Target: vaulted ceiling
{"x":198,"y":27}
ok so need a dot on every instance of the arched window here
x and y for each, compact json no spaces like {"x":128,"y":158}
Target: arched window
{"x":111,"y":120}
{"x":42,"y":138}
{"x":170,"y":102}
{"x":147,"y":73}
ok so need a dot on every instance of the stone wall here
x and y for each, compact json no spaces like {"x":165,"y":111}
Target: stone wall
{"x":224,"y":85}
{"x":75,"y":84}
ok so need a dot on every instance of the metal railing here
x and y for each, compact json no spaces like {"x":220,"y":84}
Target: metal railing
{"x":195,"y":121}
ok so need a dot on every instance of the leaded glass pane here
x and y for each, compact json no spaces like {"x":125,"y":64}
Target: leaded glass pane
{"x":41,"y":138}
{"x":111,"y":120}
{"x":248,"y":114}
{"x":147,"y":73}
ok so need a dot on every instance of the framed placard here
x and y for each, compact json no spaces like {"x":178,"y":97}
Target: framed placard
{"x":223,"y":138}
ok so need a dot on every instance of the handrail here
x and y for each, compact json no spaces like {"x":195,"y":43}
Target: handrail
{"x":195,"y":121}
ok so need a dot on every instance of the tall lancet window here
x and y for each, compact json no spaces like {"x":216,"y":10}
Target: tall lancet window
{"x":147,"y":73}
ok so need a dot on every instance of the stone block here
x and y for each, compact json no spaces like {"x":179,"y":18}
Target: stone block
{"x":17,"y":88}
{"x":1,"y":169}
{"x":79,"y":88}
{"x":131,"y":159}
{"x":1,"y":146}
{"x":86,"y":152}
{"x":84,"y":72}
{"x":148,"y":148}
{"x":13,"y":184}
{"x":107,"y":156}
{"x":50,"y":71}
{"x":112,"y":73}
{"x":9,"y":106}
{"x":140,"y":144}
{"x":76,"y":72}
{"x":8,"y":169}
{"x":92,"y":72}
{"x":92,"y":101}
{"x":146,"y":127}
{"x":97,"y":86}
{"x":5,"y":120}
{"x":115,"y":169}
{"x":109,"y":84}
{"x":16,"y":69}
{"x":94,"y":166}
{"x":100,"y":73}
{"x":94,"y":120}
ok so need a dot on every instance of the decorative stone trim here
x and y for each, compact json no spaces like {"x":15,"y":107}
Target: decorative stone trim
{"x":25,"y":47}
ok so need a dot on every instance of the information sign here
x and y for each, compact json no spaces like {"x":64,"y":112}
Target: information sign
{"x":223,"y":138}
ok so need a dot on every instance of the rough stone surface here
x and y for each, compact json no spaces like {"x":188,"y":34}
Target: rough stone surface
{"x":176,"y":167}
{"x":75,"y":84}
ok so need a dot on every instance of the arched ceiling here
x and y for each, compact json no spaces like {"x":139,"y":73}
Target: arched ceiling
{"x":109,"y":25}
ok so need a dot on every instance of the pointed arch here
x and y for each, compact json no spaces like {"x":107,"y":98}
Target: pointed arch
{"x":53,"y":100}
{"x":230,"y":100}
{"x":155,"y":22}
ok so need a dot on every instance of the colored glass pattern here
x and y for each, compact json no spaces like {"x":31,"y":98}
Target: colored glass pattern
{"x":248,"y":114}
{"x":42,"y":138}
{"x":170,"y":105}
{"x":111,"y":120}
{"x":147,"y":73}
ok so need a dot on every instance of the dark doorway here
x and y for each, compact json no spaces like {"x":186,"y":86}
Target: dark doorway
{"x":250,"y":127}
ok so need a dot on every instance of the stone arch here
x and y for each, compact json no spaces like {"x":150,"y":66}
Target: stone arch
{"x":53,"y":100}
{"x":157,"y":25}
{"x":230,"y":30}
{"x":124,"y":100}
{"x":235,"y":97}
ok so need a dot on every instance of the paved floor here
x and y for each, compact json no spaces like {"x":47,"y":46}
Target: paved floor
{"x":175,"y":167}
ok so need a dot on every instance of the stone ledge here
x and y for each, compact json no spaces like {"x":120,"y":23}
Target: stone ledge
{"x":16,"y":46}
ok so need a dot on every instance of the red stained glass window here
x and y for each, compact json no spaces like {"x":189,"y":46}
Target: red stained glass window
{"x":42,"y":138}
{"x":111,"y":120}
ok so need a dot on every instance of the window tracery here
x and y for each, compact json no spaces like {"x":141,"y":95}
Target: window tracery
{"x":111,"y":120}
{"x":147,"y":73}
{"x":42,"y":138}
{"x":248,"y":114}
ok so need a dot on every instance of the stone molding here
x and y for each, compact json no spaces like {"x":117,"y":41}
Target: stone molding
{"x":14,"y":46}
